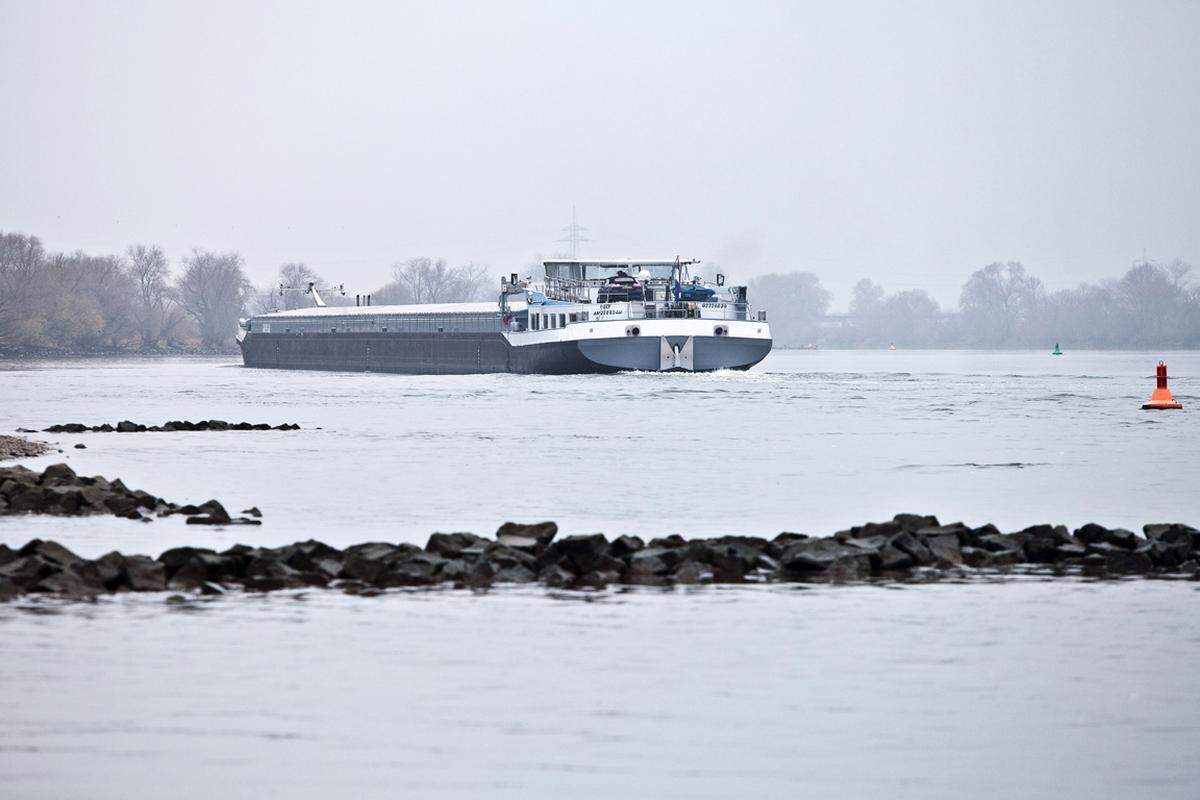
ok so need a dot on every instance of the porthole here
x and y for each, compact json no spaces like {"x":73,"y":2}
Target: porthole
{"x":633,"y":330}
{"x":720,"y":330}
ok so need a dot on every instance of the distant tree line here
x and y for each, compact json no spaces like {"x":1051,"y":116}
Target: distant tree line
{"x":999,"y":306}
{"x":75,"y":303}
{"x":79,"y":303}
{"x":63,"y":303}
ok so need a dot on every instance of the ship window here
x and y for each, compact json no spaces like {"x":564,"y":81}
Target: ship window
{"x":574,"y":318}
{"x":333,"y":330}
{"x":383,"y":330}
{"x":562,"y":320}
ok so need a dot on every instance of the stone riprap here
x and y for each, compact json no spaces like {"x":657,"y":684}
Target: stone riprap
{"x":58,"y":490}
{"x":125,"y":426}
{"x":18,"y":447}
{"x":907,"y":548}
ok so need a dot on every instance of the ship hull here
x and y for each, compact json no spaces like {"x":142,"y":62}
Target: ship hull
{"x":474,"y":353}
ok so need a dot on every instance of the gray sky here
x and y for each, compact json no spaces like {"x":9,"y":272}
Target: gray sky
{"x":909,"y":142}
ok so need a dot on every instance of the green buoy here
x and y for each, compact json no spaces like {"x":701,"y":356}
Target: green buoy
{"x":1057,"y":351}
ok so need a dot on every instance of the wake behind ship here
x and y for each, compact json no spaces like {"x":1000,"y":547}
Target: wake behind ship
{"x":587,"y":317}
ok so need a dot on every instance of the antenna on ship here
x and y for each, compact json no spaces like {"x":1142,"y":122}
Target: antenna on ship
{"x":574,"y":234}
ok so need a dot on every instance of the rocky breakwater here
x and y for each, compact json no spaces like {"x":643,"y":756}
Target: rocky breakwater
{"x":58,"y":490}
{"x":125,"y":426}
{"x":907,"y":548}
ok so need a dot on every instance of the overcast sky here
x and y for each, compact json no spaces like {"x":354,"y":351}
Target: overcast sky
{"x":909,"y":142}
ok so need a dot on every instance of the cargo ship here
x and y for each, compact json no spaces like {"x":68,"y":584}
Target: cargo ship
{"x":587,"y":316}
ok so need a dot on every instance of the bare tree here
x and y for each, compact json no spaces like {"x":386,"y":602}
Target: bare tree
{"x":797,"y":303}
{"x":1155,"y":301}
{"x":425,"y":280}
{"x":214,"y":290}
{"x":997,"y":302}
{"x":22,"y":260}
{"x":159,"y":315}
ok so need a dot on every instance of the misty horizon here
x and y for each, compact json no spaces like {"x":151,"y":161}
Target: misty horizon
{"x":906,"y":145}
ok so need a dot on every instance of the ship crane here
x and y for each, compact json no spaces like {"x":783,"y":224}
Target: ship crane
{"x":312,"y":289}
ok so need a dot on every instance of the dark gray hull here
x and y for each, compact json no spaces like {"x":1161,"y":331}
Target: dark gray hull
{"x":473,"y":353}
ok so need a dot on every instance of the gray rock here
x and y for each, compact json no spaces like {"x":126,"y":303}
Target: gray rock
{"x":916,"y":548}
{"x":624,"y":546}
{"x":944,"y":548}
{"x":692,"y":572}
{"x":176,"y":557}
{"x":417,"y":571}
{"x":524,"y":543}
{"x":504,"y":556}
{"x":1069,"y":551}
{"x":518,"y":573}
{"x":1125,"y":562}
{"x":1004,"y":558}
{"x":542,"y":532}
{"x":976,"y":556}
{"x":9,"y":589}
{"x":27,"y":571}
{"x":646,"y":563}
{"x":1174,"y":533}
{"x":599,"y":578}
{"x":915,"y":522}
{"x":1042,"y":542}
{"x":818,"y":555}
{"x":764,"y":563}
{"x":452,"y":545}
{"x":893,"y":559}
{"x":65,"y":583}
{"x":454,"y":570}
{"x":555,"y":575}
{"x":57,"y":474}
{"x":144,"y":574}
{"x":581,"y":554}
{"x":1092,"y":533}
{"x":956,"y":529}
{"x":51,"y":551}
{"x":780,"y":543}
{"x":998,"y":542}
{"x":674,"y":540}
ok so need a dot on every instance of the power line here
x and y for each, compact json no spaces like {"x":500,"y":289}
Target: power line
{"x":574,"y":234}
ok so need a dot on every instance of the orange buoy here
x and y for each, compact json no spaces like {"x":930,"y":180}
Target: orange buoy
{"x":1162,"y":399}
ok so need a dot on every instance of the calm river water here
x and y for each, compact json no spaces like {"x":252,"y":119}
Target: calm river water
{"x":1017,"y":688}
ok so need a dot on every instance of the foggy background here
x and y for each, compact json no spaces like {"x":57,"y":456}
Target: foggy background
{"x":909,"y":143}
